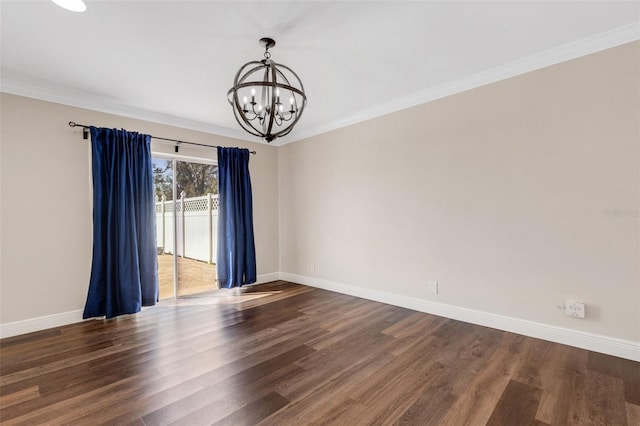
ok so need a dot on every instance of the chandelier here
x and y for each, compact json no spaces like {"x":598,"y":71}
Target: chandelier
{"x":267,"y":98}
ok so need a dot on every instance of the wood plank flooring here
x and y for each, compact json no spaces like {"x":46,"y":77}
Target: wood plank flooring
{"x":286,"y":354}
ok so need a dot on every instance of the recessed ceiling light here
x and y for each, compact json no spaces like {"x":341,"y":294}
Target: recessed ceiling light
{"x":72,"y":5}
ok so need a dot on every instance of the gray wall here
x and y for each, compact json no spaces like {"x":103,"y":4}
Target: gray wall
{"x":46,"y":212}
{"x":514,"y":197}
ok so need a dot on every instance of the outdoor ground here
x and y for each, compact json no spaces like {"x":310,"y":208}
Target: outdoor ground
{"x":194,"y":276}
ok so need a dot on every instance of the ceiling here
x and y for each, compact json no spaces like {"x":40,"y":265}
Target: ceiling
{"x":173,"y":61}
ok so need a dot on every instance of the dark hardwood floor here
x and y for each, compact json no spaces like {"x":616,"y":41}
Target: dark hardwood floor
{"x":286,"y":354}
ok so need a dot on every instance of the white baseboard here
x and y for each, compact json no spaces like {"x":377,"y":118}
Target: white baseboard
{"x":65,"y":318}
{"x":40,"y":323}
{"x":608,"y":345}
{"x":267,"y":278}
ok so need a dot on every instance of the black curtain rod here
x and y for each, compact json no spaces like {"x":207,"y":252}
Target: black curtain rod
{"x":85,"y":135}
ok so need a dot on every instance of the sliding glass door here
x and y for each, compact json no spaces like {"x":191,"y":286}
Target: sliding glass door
{"x":186,"y":225}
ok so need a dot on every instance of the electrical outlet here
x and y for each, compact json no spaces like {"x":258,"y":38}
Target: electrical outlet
{"x":575,"y":309}
{"x":433,"y":287}
{"x":312,"y":268}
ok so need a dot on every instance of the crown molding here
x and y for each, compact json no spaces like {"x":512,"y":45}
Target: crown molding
{"x":89,"y":101}
{"x":583,"y":47}
{"x":567,"y":52}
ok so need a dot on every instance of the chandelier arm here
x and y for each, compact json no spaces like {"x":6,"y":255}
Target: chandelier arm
{"x":244,"y":122}
{"x":249,"y":128}
{"x":244,"y":119}
{"x":253,"y":110}
{"x":290,"y":127}
{"x":263,"y":133}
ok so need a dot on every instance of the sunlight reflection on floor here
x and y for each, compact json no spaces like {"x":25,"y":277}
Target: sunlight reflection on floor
{"x":220,"y":297}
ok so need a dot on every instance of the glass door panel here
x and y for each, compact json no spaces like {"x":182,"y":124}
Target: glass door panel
{"x":197,"y":224}
{"x":165,"y":233}
{"x":186,"y":224}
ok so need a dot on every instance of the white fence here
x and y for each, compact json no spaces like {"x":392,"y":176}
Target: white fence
{"x":197,"y":223}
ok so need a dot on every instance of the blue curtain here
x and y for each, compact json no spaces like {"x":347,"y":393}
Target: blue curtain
{"x":124,"y":270}
{"x":236,"y":258}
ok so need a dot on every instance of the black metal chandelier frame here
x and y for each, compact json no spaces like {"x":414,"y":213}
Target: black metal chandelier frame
{"x":269,"y":120}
